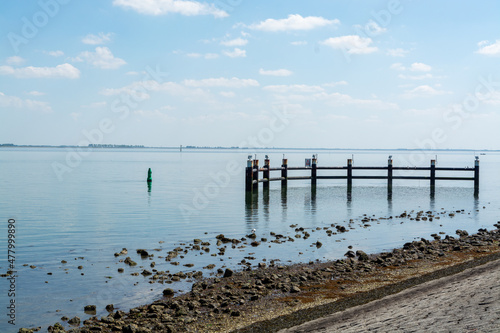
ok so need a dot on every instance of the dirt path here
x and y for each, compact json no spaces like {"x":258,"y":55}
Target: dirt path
{"x":465,"y":302}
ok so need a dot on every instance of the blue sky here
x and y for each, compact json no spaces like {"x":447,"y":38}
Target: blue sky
{"x":319,"y":73}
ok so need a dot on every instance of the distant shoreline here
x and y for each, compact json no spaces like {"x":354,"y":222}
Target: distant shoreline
{"x":113,"y":146}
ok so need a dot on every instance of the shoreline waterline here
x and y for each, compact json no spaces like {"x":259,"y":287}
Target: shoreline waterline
{"x":272,"y":298}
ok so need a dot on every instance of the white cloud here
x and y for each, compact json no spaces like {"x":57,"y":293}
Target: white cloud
{"x":35,"y":93}
{"x":371,"y":28}
{"x":424,"y":91}
{"x":222,"y":82}
{"x":60,"y":71}
{"x":276,"y":72}
{"x":341,"y":100}
{"x":228,"y":94}
{"x":102,"y":58}
{"x":335,"y":84}
{"x":492,"y":98}
{"x":211,"y":56}
{"x":236,"y":53}
{"x":416,"y":77}
{"x":415,"y":67}
{"x":294,"y":88}
{"x":193,"y":55}
{"x":489,"y":49}
{"x":162,"y":7}
{"x":235,"y":42}
{"x":98,"y":39}
{"x":420,"y":67}
{"x":352,"y":44}
{"x":397,"y":52}
{"x":15,"y":60}
{"x":189,"y":90}
{"x":75,"y":115}
{"x":7,"y":101}
{"x":57,"y":53}
{"x":398,"y":66}
{"x":299,"y":43}
{"x":293,"y":23}
{"x":140,"y":90}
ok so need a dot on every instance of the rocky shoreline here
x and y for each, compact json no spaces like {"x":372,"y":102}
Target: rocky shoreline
{"x":272,"y":298}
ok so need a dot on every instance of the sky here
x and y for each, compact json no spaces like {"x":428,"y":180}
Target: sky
{"x":284,"y":73}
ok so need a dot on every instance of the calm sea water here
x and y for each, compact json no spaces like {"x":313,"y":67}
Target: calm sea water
{"x":104,"y":204}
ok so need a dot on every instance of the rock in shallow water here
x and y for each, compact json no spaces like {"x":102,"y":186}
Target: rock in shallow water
{"x":228,"y":272}
{"x":168,"y":292}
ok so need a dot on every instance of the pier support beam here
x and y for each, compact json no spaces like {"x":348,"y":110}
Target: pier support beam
{"x":349,"y":175}
{"x":476,"y":177}
{"x":433,"y":177}
{"x":255,"y":175}
{"x":284,"y":172}
{"x":266,"y":173}
{"x":249,"y":175}
{"x":389,"y":177}
{"x":313,"y":170}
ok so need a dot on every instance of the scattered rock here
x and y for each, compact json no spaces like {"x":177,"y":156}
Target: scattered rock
{"x":350,"y":254}
{"x":89,"y":308}
{"x":75,"y":321}
{"x":130,"y":262}
{"x":168,"y":292}
{"x":228,"y":272}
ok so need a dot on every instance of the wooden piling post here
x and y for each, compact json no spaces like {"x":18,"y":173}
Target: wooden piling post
{"x":313,"y":170}
{"x":389,"y":176}
{"x":476,"y":176}
{"x":433,"y":173}
{"x":349,"y":175}
{"x":433,"y":177}
{"x":255,"y":175}
{"x":249,"y":174}
{"x":266,"y":173}
{"x":284,"y":171}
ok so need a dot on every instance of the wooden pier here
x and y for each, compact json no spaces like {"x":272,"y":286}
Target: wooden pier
{"x":252,"y":173}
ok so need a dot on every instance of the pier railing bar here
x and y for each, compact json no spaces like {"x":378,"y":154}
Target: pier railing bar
{"x":252,"y":173}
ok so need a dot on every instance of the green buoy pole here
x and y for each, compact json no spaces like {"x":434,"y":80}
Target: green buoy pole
{"x":149,"y":176}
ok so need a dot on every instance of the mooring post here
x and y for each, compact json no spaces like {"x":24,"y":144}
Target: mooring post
{"x":349,"y":175}
{"x":284,"y":171}
{"x":313,"y":170}
{"x":248,"y":174}
{"x":476,"y":176}
{"x":389,"y":176}
{"x":255,"y":175}
{"x":150,"y":179}
{"x":433,"y":173}
{"x":266,"y":172}
{"x":433,"y":177}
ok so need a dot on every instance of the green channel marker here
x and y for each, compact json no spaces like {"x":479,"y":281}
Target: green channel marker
{"x":149,"y":176}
